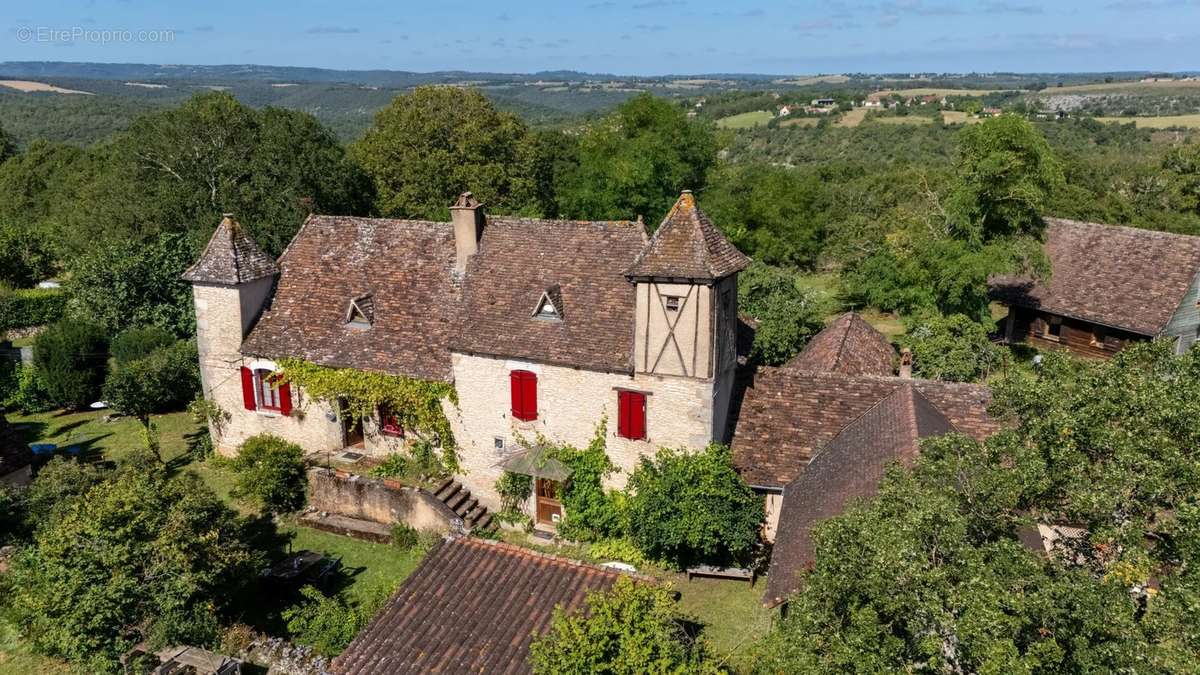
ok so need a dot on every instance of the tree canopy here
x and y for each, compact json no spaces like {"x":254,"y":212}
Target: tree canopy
{"x":636,"y":160}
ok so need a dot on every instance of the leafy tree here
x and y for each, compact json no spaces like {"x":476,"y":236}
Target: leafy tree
{"x":1005,"y":172}
{"x":8,"y":146}
{"x":930,"y":575}
{"x":952,"y":348}
{"x":165,"y":380}
{"x":636,"y":160}
{"x":1183,"y":167}
{"x":326,"y":623}
{"x":693,"y":507}
{"x":132,"y":344}
{"x":71,"y":358}
{"x":136,"y":556}
{"x":634,"y":628}
{"x":270,"y":472}
{"x":58,"y":482}
{"x":775,"y":215}
{"x":427,"y":147}
{"x":786,"y":315}
{"x":24,"y":257}
{"x":121,"y":286}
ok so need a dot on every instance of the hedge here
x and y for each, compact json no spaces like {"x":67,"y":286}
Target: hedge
{"x":30,"y":307}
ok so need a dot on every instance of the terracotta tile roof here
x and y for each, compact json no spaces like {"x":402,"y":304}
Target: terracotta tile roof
{"x":849,"y":467}
{"x":787,"y":415}
{"x":231,"y":257}
{"x":849,"y":346}
{"x":472,"y":606}
{"x":580,"y":265}
{"x":688,"y":246}
{"x":404,"y":266}
{"x":1121,"y":277}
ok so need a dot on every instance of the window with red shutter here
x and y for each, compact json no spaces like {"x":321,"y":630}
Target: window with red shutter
{"x":523,"y":391}
{"x":631,"y":415}
{"x":248,"y":398}
{"x":268,"y":393}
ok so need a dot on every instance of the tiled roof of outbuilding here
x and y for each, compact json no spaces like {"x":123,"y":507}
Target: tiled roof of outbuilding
{"x":579,"y":264}
{"x":231,"y":257}
{"x":848,"y":467}
{"x":405,"y":266}
{"x":849,"y":346}
{"x":472,"y":606}
{"x":688,"y":246}
{"x":1122,"y":277}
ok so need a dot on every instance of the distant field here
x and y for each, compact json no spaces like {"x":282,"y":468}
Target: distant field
{"x":1164,"y":122}
{"x":937,"y":92}
{"x":1123,"y":87}
{"x":30,"y":86}
{"x":907,"y":119}
{"x":800,"y":122}
{"x":853,"y":118}
{"x":745,"y":120}
{"x":817,"y":79}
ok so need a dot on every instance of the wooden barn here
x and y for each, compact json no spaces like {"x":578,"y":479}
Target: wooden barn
{"x":1109,"y":285}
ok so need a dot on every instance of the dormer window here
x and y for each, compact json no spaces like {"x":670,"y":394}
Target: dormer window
{"x":361,"y":312}
{"x":549,"y":305}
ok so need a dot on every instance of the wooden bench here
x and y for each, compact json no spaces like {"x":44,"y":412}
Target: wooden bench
{"x":723,"y":572}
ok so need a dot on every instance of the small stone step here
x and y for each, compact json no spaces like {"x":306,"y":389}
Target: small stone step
{"x":459,"y":497}
{"x":483,"y":524}
{"x":475,"y":514}
{"x":464,"y":508}
{"x":449,"y":491}
{"x":443,"y":485}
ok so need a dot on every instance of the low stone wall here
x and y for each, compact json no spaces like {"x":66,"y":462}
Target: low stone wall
{"x":367,"y":498}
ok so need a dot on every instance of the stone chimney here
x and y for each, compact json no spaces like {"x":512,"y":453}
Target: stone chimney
{"x":467,"y":216}
{"x":906,"y":363}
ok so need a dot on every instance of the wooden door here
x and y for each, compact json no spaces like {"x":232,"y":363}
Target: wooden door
{"x":352,"y":431}
{"x":549,"y":509}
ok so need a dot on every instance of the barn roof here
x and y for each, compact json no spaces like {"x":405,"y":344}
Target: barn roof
{"x":848,"y":467}
{"x":471,"y":606}
{"x":850,"y":346}
{"x":1122,"y":277}
{"x":688,"y":246}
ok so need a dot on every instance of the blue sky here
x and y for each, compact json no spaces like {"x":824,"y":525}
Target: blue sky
{"x":645,"y":37}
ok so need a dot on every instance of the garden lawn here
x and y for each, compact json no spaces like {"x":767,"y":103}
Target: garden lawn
{"x":112,"y":440}
{"x":15,"y":658}
{"x":731,"y":611}
{"x":746,"y":120}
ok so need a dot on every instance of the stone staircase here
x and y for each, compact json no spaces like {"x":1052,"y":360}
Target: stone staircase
{"x":459,"y":500}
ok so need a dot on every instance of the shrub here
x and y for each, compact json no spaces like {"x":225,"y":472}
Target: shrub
{"x":392,"y":466}
{"x":327,"y":624}
{"x":952,"y":348}
{"x":514,"y":490}
{"x":71,"y":357}
{"x":135,"y":343}
{"x":28,"y":393}
{"x":632,"y":628}
{"x":269,"y":472}
{"x":691,"y":507}
{"x":589,"y":511}
{"x":787,"y":316}
{"x":622,"y":550}
{"x":30,"y":307}
{"x":404,"y":536}
{"x":166,"y":380}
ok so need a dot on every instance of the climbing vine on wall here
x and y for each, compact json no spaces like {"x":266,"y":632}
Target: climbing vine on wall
{"x":416,"y":403}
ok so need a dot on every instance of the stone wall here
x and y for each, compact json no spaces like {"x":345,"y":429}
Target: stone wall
{"x":370,"y":499}
{"x":571,"y":403}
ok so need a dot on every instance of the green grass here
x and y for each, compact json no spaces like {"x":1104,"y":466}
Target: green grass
{"x":731,"y":611}
{"x":374,"y":568}
{"x":1162,"y":122}
{"x":113,"y":439}
{"x":746,"y":120}
{"x":16,"y":659}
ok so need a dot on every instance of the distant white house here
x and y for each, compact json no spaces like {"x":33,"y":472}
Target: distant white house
{"x":784,"y":111}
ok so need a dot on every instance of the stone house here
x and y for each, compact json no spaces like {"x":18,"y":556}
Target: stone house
{"x":1109,"y":286}
{"x":546,"y":328}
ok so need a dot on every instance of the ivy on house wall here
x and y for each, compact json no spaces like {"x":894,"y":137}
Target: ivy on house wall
{"x":359,"y":394}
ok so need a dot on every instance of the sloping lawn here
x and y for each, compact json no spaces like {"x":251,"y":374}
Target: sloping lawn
{"x":731,"y":611}
{"x":746,"y":120}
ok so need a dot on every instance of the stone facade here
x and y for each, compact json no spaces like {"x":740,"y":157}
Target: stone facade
{"x":370,"y":499}
{"x":571,"y":404}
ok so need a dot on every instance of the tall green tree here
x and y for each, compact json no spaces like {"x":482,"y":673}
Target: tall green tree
{"x":137,"y":556}
{"x":636,"y":160}
{"x":786,"y":316}
{"x":71,"y":359}
{"x":8,"y":145}
{"x":632,"y":629}
{"x":1183,"y":167}
{"x":427,"y":147}
{"x":930,"y":575}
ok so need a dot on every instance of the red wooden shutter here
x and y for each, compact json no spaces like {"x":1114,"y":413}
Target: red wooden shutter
{"x":623,"y":414}
{"x":285,"y":399}
{"x":514,"y":386}
{"x":248,"y":398}
{"x":637,"y":415}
